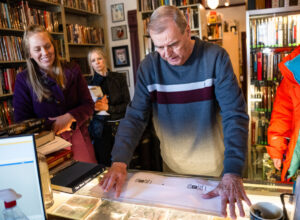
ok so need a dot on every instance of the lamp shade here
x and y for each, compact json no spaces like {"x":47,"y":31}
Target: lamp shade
{"x":212,"y":4}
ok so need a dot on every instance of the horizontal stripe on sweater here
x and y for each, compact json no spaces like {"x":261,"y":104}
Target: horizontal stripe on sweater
{"x":182,"y":93}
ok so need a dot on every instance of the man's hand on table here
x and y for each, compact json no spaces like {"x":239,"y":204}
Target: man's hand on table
{"x":114,"y":178}
{"x":232,"y":191}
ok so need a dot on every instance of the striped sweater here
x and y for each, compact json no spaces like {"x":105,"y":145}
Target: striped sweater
{"x":193,"y":107}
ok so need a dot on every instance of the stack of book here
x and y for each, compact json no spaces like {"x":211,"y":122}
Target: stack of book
{"x":56,"y":150}
{"x":66,"y":174}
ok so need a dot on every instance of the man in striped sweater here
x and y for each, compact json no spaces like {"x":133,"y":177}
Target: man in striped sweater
{"x":197,"y":109}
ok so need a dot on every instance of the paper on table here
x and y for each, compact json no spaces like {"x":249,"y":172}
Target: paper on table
{"x":166,"y":191}
{"x":57,"y":144}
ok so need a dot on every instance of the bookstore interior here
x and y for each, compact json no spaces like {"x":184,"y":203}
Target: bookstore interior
{"x":41,"y":175}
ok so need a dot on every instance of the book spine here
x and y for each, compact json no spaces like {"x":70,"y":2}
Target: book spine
{"x":275,"y":3}
{"x":7,"y":15}
{"x":285,"y":31}
{"x":259,"y":65}
{"x":7,"y":115}
{"x":280,"y":32}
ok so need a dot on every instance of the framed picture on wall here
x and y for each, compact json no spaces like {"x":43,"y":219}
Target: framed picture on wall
{"x":120,"y":56}
{"x":119,"y":32}
{"x":126,"y":73}
{"x":117,"y":12}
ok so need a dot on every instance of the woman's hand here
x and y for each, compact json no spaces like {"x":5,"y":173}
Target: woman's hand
{"x":277,"y":163}
{"x":62,"y":123}
{"x":104,"y":99}
{"x":102,"y":104}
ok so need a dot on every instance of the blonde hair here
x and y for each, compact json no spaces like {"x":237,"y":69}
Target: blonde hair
{"x":100,"y":53}
{"x":165,"y":13}
{"x":35,"y":81}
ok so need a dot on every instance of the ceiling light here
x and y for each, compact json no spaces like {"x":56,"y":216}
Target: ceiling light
{"x":227,"y":3}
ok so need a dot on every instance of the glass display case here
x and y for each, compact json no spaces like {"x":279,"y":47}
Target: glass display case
{"x":88,"y":203}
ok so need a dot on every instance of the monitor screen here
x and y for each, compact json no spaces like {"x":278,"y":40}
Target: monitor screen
{"x":19,"y":171}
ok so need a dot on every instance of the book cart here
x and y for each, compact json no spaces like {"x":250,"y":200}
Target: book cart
{"x":271,"y":35}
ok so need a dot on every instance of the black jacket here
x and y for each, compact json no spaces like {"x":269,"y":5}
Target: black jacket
{"x":118,"y":93}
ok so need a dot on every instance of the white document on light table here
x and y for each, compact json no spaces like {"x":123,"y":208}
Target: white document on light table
{"x":167,"y":191}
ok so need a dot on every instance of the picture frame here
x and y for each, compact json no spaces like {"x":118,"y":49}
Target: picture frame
{"x":119,"y":32}
{"x":126,"y":73}
{"x":120,"y":56}
{"x":117,"y":12}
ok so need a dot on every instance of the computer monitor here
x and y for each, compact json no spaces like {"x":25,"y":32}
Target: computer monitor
{"x":19,"y":171}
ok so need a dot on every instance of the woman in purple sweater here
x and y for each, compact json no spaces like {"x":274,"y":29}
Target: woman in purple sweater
{"x":46,"y":89}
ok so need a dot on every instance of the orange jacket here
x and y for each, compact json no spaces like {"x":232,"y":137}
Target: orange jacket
{"x":285,"y":120}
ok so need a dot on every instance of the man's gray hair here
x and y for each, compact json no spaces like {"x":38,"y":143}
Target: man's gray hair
{"x":160,"y":17}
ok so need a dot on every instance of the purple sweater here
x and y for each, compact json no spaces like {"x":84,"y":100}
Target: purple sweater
{"x":75,"y":98}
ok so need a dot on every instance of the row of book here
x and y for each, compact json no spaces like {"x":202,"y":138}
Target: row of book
{"x":262,"y":98}
{"x":148,"y":5}
{"x":20,"y":15}
{"x":6,"y":114}
{"x":7,"y":79}
{"x":60,"y":45}
{"x":29,"y":126}
{"x":11,"y":48}
{"x":264,"y":66}
{"x":79,"y":34}
{"x":281,"y":31}
{"x":259,"y":131}
{"x":87,"y":5}
{"x":192,"y":16}
{"x":261,"y":4}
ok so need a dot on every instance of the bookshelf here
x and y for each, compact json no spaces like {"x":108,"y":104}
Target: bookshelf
{"x":192,"y":9}
{"x":75,"y":26}
{"x":214,"y":27}
{"x":271,"y":35}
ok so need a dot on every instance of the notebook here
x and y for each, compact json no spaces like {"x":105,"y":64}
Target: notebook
{"x":19,"y":171}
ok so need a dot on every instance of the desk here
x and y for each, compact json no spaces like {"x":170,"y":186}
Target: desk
{"x":109,"y":209}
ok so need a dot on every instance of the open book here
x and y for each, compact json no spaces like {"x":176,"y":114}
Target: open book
{"x":96,"y":92}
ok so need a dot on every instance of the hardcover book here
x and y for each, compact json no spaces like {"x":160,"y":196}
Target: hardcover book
{"x":75,"y":176}
{"x":58,"y":157}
